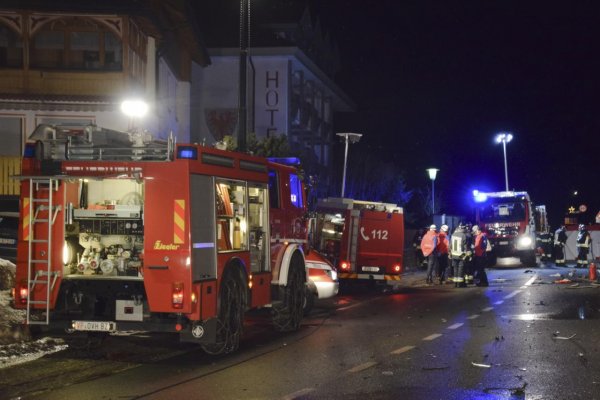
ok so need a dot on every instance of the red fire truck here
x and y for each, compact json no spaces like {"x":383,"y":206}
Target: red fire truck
{"x":363,"y":239}
{"x":509,"y":220}
{"x":121,"y":232}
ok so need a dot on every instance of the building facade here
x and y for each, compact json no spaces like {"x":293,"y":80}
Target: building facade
{"x":290,"y":87}
{"x":66,"y":63}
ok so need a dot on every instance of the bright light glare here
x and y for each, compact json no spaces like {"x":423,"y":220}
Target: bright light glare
{"x":134,"y":108}
{"x":504,"y":137}
{"x":479,"y":197}
{"x":432,"y":173}
{"x":524,"y":241}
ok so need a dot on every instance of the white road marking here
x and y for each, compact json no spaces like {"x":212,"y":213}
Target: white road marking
{"x":362,"y":367}
{"x":432,"y":337}
{"x":299,"y":393}
{"x":402,"y":350}
{"x":499,"y":302}
{"x":455,"y":326}
{"x":473,"y":316}
{"x":530,"y":281}
{"x":513,"y":294}
{"x":487,"y":309}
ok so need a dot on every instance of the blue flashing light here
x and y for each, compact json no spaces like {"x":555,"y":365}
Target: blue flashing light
{"x":187,"y":152}
{"x":285,"y":160}
{"x":479,"y":197}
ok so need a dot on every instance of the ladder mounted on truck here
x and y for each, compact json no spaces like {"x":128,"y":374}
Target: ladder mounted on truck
{"x":41,"y":216}
{"x":89,"y":142}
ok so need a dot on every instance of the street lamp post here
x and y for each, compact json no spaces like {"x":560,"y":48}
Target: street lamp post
{"x":432,"y":174}
{"x":504,"y":138}
{"x":348,"y":137}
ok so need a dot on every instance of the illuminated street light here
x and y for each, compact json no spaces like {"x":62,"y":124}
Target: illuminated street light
{"x":504,"y":138}
{"x":432,"y":174}
{"x":348,"y":137}
{"x":134,"y":108}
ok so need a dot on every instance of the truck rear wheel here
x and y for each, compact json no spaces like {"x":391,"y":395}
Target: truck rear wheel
{"x":528,"y":259}
{"x":288,"y":312}
{"x":230,"y":321}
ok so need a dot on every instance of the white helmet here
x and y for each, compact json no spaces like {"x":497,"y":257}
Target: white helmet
{"x":432,"y":227}
{"x":444,"y":228}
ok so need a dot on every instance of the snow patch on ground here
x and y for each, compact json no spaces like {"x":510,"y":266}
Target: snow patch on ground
{"x":15,"y":344}
{"x":17,"y":353}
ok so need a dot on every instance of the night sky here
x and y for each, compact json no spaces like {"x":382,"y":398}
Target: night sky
{"x":434,"y":81}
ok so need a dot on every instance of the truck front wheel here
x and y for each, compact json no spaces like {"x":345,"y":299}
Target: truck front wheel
{"x":288,"y":311}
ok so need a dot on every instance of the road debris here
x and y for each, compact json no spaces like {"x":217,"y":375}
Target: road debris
{"x":554,"y":336}
{"x":435,"y":368}
{"x":480,"y":365}
{"x":388,"y":373}
{"x":564,"y":280}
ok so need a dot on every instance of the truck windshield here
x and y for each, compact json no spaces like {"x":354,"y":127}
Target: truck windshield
{"x":502,"y":212}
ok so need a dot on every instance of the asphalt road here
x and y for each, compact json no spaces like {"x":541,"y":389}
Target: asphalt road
{"x":523,"y":337}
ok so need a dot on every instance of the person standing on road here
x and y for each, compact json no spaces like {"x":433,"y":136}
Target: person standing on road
{"x":560,"y":239}
{"x":428,"y":247}
{"x":443,"y":247}
{"x":460,"y":250}
{"x":583,"y":246}
{"x":479,"y":256}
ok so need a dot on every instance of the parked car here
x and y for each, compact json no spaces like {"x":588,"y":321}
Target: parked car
{"x":322,"y":279}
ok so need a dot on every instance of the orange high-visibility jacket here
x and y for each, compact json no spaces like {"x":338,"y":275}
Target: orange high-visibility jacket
{"x":429,"y":243}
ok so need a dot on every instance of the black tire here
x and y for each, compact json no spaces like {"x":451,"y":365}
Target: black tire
{"x":230,"y":319}
{"x":288,"y":311}
{"x":528,"y":259}
{"x":309,"y":301}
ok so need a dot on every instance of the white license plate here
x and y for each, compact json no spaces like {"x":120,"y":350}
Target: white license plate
{"x":96,"y":326}
{"x":503,"y":243}
{"x":370,"y":269}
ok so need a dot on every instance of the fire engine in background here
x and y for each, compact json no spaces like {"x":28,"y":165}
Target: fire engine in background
{"x":509,"y":220}
{"x":363,"y":239}
{"x":120,"y":232}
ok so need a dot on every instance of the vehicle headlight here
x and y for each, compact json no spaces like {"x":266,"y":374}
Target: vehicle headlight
{"x":524,"y":242}
{"x":332,"y":274}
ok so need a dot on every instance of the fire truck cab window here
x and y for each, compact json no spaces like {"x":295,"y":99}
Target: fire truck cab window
{"x":502,"y":212}
{"x":296,"y":195}
{"x":273,"y":189}
{"x":232,"y":223}
{"x":257,"y":227}
{"x":330,"y":228}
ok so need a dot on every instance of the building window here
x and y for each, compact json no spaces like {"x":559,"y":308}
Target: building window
{"x":78,"y":44}
{"x":11,"y":49}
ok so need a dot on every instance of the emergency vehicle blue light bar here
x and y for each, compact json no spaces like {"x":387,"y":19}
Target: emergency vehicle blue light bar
{"x":187,"y":152}
{"x":285,"y":160}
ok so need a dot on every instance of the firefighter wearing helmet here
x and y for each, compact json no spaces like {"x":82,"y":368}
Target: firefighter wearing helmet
{"x":583,"y":246}
{"x":479,"y":256}
{"x":429,"y":248}
{"x":560,"y":239}
{"x":460,"y":253}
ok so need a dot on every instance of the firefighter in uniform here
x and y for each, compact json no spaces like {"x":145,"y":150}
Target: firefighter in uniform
{"x":546,"y":244}
{"x":583,"y":246}
{"x":460,"y":252}
{"x":560,"y":240}
{"x":469,"y":267}
{"x":428,"y":247}
{"x":442,"y":251}
{"x":479,"y":256}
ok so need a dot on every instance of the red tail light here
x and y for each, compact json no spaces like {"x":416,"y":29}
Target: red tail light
{"x":397,"y":268}
{"x":177,"y":299}
{"x":345,"y":266}
{"x":23,"y":294}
